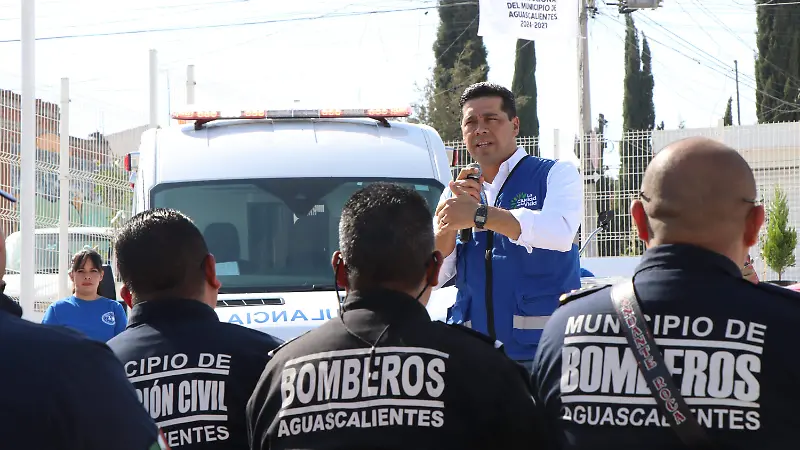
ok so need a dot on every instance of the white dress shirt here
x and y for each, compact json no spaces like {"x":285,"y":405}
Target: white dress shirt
{"x":551,"y":228}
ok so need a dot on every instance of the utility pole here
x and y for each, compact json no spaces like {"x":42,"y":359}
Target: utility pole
{"x":585,"y":120}
{"x":190,"y":84}
{"x":583,"y":68}
{"x":738,"y":105}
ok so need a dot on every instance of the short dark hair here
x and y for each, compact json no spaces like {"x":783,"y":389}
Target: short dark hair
{"x":79,"y":259}
{"x":160,"y":253}
{"x":488,"y":89}
{"x":386,"y":236}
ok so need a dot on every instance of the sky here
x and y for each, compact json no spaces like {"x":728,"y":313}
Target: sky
{"x":371,"y":53}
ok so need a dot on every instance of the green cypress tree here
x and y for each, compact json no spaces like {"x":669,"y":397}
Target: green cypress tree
{"x":777,"y":66}
{"x":727,"y":119}
{"x":524,"y":88}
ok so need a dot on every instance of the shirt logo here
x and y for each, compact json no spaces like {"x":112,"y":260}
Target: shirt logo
{"x":109,"y":318}
{"x":523,"y":200}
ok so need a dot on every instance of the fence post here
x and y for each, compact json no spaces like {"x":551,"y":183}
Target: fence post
{"x":27,"y":200}
{"x":153,"y":88}
{"x":63,"y":193}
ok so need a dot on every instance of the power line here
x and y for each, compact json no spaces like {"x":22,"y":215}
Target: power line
{"x":240,"y":24}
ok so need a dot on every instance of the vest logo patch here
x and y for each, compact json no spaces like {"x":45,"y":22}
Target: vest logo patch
{"x":109,"y":318}
{"x":523,"y":200}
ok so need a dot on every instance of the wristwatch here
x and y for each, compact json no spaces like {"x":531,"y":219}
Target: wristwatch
{"x":481,"y":215}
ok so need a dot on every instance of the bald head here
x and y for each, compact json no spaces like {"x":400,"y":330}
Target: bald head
{"x":699,"y":191}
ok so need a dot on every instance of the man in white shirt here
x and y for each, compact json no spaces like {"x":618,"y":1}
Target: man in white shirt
{"x":521,"y":254}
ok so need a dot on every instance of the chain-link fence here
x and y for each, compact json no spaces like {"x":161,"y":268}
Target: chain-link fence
{"x":99,"y":195}
{"x":613,"y":170}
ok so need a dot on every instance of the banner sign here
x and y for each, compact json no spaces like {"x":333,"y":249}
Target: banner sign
{"x":529,"y":19}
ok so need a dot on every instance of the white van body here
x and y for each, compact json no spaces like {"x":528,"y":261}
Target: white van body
{"x":248,"y":183}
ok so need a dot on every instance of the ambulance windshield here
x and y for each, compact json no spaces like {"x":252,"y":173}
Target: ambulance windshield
{"x":272,"y":235}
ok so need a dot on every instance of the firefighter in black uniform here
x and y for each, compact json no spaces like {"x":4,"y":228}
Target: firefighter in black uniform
{"x":725,"y":341}
{"x":62,"y":390}
{"x":382,"y":375}
{"x":192,"y":372}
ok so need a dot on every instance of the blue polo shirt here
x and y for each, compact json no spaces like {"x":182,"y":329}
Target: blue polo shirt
{"x":100,"y":319}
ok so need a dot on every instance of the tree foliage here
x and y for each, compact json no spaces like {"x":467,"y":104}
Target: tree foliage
{"x":727,"y":119}
{"x":460,"y":61}
{"x":638,"y":114}
{"x":777,"y":66}
{"x":780,"y":240}
{"x":524,"y":88}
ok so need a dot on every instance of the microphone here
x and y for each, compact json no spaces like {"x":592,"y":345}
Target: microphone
{"x":466,"y":234}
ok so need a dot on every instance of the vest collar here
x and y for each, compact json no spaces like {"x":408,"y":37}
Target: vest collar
{"x":687,"y":257}
{"x":394,"y":304}
{"x":171,"y":310}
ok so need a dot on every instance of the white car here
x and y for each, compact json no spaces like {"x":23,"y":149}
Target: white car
{"x":46,"y":258}
{"x":267,"y":189}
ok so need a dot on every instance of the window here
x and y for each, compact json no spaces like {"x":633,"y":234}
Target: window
{"x":271,"y":235}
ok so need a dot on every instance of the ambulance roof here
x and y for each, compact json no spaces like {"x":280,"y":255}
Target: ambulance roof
{"x":244,"y":148}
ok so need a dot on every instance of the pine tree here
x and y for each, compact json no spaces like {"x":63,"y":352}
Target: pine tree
{"x":727,"y":119}
{"x":524,"y":89}
{"x":780,"y":241}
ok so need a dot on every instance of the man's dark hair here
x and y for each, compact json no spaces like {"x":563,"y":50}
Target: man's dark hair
{"x":386,"y":236}
{"x":160,"y":253}
{"x":487,"y":89}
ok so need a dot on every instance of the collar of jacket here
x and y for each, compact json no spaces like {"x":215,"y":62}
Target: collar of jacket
{"x":394,"y":304}
{"x":171,"y":310}
{"x":687,"y":257}
{"x":10,"y":306}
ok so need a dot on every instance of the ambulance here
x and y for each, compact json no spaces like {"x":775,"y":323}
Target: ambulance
{"x":267,"y":187}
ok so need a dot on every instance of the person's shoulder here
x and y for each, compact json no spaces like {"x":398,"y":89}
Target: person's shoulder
{"x":585,"y":293}
{"x":254,"y":337}
{"x":777,"y":291}
{"x":51,"y":339}
{"x":471,"y":339}
{"x":62,"y":303}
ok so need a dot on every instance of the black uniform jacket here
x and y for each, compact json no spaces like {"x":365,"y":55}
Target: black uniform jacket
{"x":192,"y":372}
{"x":730,"y":344}
{"x":61,"y":390}
{"x":424,"y":385}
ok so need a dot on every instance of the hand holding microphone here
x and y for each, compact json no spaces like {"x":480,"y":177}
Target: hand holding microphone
{"x":470,"y":179}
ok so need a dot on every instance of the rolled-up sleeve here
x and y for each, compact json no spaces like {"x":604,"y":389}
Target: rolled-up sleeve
{"x":555,"y":225}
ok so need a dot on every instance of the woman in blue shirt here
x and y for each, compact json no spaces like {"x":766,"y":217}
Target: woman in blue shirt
{"x":98,"y":317}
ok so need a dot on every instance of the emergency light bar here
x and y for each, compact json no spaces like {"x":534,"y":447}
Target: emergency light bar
{"x":202,"y":117}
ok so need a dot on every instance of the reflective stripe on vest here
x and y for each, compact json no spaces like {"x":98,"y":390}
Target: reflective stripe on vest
{"x":530,"y":322}
{"x":467,"y":324}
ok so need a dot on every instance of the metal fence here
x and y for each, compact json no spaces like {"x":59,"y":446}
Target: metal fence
{"x":613,"y":169}
{"x":99,"y":194}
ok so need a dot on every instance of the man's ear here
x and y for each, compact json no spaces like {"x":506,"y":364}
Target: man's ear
{"x":126,"y":295}
{"x":210,"y":269}
{"x":640,"y":219}
{"x":755,"y":220}
{"x":339,"y":270}
{"x":434,"y":268}
{"x":515,"y":122}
